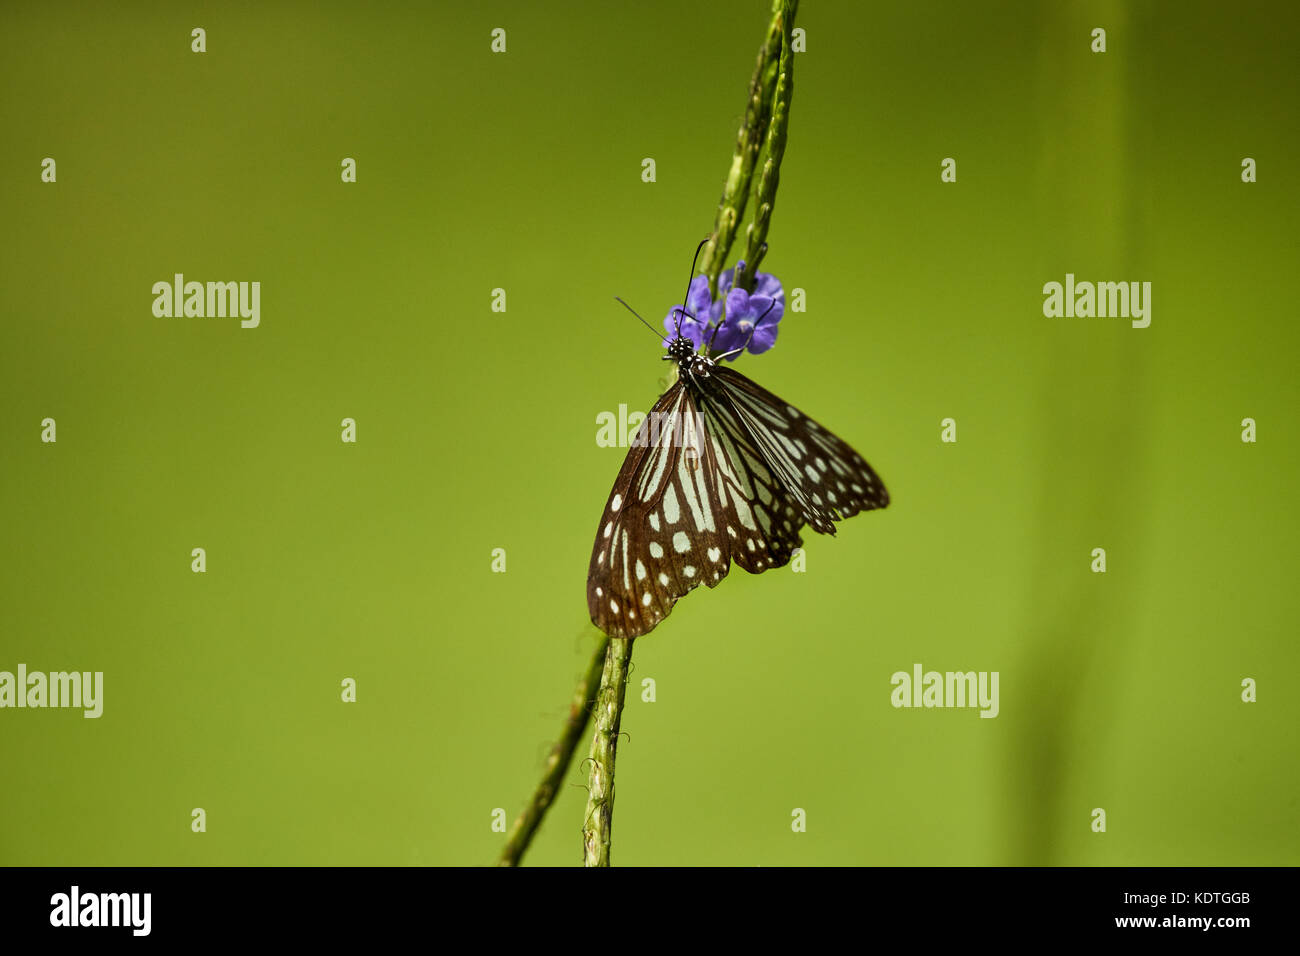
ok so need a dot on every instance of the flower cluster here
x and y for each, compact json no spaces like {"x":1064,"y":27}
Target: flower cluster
{"x":736,"y":320}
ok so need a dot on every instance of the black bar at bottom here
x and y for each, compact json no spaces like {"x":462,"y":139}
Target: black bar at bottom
{"x":177,"y":905}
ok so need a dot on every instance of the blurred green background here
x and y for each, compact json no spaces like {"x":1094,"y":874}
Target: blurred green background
{"x":476,"y":430}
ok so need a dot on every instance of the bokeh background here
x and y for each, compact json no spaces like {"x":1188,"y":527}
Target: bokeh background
{"x":476,"y":430}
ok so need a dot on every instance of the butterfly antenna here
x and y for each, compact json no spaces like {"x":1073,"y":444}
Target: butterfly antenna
{"x":687,"y":297}
{"x":655,"y":333}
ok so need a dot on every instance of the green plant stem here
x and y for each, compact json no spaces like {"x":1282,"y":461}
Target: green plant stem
{"x":749,"y":143}
{"x":558,"y":760}
{"x":776,"y":137}
{"x":598,"y":829}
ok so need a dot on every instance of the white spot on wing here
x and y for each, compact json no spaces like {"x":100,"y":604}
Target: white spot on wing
{"x":693,"y":500}
{"x":672,"y":510}
{"x":745,"y":515}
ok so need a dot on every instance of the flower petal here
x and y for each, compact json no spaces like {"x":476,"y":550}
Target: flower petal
{"x":697,"y":300}
{"x":730,"y":337}
{"x":766,"y":310}
{"x":768,"y":285}
{"x":738,"y":305}
{"x":764,"y":338}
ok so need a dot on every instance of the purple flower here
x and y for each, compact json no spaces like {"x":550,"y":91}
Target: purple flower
{"x":749,"y":322}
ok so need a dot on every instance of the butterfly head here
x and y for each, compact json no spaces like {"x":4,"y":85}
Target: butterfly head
{"x":680,"y":350}
{"x":691,"y":363}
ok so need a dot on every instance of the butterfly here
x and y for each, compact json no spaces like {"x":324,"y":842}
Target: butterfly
{"x":721,"y":472}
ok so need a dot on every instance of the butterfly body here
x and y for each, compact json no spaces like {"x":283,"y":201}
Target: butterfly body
{"x":721,"y":472}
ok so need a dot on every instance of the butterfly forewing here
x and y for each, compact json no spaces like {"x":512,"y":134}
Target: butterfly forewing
{"x":658,"y":537}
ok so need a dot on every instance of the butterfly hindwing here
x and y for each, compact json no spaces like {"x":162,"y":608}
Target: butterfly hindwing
{"x":761,"y":520}
{"x":820,"y":471}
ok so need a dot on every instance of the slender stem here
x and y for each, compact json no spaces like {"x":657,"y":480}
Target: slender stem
{"x":749,"y":143}
{"x":598,"y":830}
{"x":776,"y":136}
{"x":558,"y":760}
{"x":767,"y":111}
